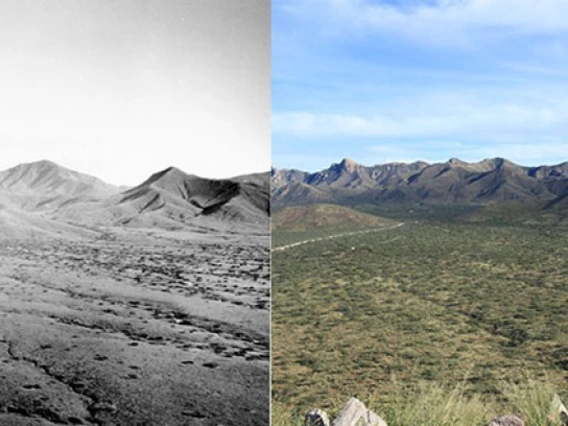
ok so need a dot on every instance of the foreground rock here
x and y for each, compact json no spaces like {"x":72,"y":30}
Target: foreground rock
{"x":316,"y":417}
{"x":354,"y":413}
{"x":560,"y":408}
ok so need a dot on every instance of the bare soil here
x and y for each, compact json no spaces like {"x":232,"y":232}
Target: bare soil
{"x":135,"y":328}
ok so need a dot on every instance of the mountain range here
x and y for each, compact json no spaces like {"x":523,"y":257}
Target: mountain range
{"x":44,"y":198}
{"x":486,"y":182}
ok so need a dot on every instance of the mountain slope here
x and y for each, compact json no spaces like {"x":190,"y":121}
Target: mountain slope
{"x":560,"y":203}
{"x":298,"y":193}
{"x":16,"y":223}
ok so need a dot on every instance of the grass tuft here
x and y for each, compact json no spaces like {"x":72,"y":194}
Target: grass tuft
{"x":434,"y":405}
{"x":533,"y":400}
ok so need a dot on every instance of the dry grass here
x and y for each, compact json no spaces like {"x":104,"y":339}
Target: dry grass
{"x":430,"y":404}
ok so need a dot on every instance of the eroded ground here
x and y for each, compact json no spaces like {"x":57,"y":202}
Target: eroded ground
{"x":135,"y":330}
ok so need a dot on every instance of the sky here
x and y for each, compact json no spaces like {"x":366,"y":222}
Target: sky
{"x":121,"y":89}
{"x":403,"y":80}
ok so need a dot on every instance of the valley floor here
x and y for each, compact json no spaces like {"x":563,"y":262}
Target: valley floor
{"x":135,"y":328}
{"x":369,"y":315}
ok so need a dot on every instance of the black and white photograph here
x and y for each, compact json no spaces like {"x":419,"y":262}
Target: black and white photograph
{"x":134,"y":212}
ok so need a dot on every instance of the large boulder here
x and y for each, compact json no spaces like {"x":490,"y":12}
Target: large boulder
{"x":356,"y":414}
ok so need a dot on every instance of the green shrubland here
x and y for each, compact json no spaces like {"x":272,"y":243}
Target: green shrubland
{"x":450,"y":313}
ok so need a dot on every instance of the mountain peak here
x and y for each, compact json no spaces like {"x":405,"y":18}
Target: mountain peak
{"x":39,"y":165}
{"x":45,"y":162}
{"x":497,"y":162}
{"x":169,"y":175}
{"x":36,"y":172}
{"x":172,"y":169}
{"x":456,"y":162}
{"x":348,"y":165}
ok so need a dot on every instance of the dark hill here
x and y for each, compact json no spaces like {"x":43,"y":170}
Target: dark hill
{"x":172,"y":199}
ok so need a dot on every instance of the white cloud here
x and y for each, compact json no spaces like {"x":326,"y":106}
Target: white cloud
{"x":523,"y":153}
{"x":496,"y":122}
{"x":447,"y":22}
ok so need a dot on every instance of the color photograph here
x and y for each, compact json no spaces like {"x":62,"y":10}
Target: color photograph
{"x":419,"y":196}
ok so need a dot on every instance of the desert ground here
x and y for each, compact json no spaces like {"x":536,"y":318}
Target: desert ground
{"x":135,"y":327}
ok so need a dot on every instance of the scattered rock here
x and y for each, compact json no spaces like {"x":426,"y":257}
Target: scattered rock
{"x":508,"y":420}
{"x":31,"y":386}
{"x":251,"y":356}
{"x":316,"y":417}
{"x":194,"y":413}
{"x":103,"y":406}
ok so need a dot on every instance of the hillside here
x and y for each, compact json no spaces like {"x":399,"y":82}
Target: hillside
{"x":324,"y":216}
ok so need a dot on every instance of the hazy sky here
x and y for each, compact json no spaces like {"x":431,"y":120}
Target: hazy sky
{"x":403,"y":80}
{"x":123,"y":88}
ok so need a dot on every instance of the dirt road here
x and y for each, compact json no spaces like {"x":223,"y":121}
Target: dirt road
{"x":330,"y":237}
